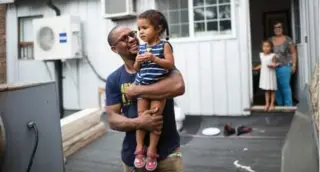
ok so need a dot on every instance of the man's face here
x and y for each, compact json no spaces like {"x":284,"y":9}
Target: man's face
{"x":125,"y":43}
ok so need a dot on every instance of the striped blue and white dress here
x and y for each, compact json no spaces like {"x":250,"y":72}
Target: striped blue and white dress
{"x":150,"y":72}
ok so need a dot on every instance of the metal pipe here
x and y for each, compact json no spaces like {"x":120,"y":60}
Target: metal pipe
{"x":58,"y":66}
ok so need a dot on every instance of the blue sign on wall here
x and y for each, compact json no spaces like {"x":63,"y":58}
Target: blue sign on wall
{"x":63,"y":37}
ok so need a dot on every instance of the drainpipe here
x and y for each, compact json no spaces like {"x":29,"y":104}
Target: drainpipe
{"x":58,"y":67}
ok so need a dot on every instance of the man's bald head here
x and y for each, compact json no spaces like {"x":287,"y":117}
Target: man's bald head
{"x":122,"y":42}
{"x":111,"y":37}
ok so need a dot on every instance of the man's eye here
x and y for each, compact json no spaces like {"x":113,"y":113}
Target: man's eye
{"x":123,"y":38}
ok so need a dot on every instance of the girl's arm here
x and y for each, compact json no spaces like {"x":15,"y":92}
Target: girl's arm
{"x":168,"y":61}
{"x":137,"y":63}
{"x":274,"y":62}
{"x":257,"y":67}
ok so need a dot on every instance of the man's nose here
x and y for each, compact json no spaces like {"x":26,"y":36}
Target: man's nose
{"x":131,"y":39}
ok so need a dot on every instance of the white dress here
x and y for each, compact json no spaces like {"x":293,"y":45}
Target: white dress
{"x":268,"y":80}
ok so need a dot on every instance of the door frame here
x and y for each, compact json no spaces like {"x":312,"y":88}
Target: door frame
{"x":248,"y":19}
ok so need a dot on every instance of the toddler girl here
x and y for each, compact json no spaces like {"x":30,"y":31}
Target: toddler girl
{"x":153,"y":62}
{"x":268,"y":80}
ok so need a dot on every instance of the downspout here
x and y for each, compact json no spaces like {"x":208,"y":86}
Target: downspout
{"x":58,"y":67}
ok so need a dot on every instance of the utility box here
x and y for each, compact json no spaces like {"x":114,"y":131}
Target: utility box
{"x":19,"y":105}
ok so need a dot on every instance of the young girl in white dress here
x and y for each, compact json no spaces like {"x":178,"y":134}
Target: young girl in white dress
{"x":268,"y":80}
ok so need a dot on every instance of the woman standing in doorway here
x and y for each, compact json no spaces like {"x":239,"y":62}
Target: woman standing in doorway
{"x":286,"y":56}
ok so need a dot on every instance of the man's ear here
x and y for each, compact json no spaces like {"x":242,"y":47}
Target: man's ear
{"x":114,"y":49}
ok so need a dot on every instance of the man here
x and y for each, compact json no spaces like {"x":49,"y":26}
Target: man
{"x":120,"y":99}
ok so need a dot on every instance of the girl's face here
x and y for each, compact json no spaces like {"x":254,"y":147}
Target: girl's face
{"x":266,"y":47}
{"x":147,"y":31}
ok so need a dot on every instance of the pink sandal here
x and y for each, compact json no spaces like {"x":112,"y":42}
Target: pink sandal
{"x":151,"y":162}
{"x":140,"y":160}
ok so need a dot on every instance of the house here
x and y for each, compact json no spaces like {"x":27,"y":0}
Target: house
{"x":215,"y":42}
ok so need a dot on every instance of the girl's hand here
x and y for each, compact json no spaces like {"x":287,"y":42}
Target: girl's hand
{"x":149,"y":56}
{"x":273,"y":65}
{"x":140,"y":59}
{"x":256,"y":68}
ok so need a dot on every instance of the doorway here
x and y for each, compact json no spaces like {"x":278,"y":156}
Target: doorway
{"x":263,"y":14}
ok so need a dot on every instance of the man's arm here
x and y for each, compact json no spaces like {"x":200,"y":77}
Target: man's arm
{"x":169,"y":87}
{"x":121,"y":123}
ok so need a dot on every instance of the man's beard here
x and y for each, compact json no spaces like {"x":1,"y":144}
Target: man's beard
{"x":132,"y":57}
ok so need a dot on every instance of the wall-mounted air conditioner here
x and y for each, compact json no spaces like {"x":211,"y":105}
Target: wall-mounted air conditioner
{"x":57,"y":38}
{"x":7,"y":1}
{"x":118,"y":9}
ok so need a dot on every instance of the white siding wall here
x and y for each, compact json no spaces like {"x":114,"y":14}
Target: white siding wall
{"x":308,"y":51}
{"x":213,"y":77}
{"x":217,"y":73}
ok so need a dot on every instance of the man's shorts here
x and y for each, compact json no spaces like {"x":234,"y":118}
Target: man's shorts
{"x":173,"y":163}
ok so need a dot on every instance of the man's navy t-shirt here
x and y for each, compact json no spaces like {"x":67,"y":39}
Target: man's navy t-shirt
{"x":116,"y":84}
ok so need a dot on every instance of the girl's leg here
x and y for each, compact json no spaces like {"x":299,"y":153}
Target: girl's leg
{"x":143,"y":105}
{"x":267,"y":99}
{"x":272,"y":100}
{"x":154,"y":138}
{"x":139,"y":162}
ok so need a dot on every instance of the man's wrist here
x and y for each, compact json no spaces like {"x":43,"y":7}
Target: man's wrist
{"x":138,"y":90}
{"x":136,"y":123}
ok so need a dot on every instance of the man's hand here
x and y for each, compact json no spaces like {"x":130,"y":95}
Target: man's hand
{"x":131,"y":92}
{"x":150,"y":122}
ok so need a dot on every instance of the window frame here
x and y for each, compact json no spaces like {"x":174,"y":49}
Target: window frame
{"x":192,"y":35}
{"x":23,"y":44}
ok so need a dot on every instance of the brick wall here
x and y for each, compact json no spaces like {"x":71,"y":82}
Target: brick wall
{"x":3,"y":65}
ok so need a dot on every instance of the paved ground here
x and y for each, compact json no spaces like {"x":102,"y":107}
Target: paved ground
{"x":261,"y":149}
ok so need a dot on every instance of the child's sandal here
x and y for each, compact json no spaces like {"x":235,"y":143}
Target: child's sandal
{"x":151,"y":162}
{"x":140,"y":160}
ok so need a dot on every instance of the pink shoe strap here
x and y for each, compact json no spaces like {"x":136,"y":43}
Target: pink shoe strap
{"x":139,"y":152}
{"x":152,"y":155}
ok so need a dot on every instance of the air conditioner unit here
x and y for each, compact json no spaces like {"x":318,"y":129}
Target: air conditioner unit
{"x":57,"y":38}
{"x":118,"y":9}
{"x":6,"y":1}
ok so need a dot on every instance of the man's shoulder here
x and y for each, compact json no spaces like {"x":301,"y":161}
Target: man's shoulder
{"x":115,"y":74}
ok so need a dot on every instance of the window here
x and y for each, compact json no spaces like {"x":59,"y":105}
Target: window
{"x":26,"y":37}
{"x":188,"y":18}
{"x":177,"y":14}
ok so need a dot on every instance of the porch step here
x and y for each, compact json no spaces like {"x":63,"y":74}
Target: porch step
{"x":277,"y":109}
